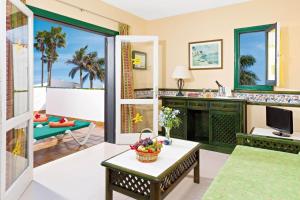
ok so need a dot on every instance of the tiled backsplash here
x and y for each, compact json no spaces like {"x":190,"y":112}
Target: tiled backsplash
{"x":270,"y":98}
{"x":289,"y":99}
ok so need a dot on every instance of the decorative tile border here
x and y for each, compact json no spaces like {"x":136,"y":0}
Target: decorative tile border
{"x":259,"y":98}
{"x":270,"y":98}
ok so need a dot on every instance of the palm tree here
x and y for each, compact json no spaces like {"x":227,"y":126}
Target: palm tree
{"x":247,"y":77}
{"x":79,"y":60}
{"x":41,"y":46}
{"x":94,"y":67}
{"x":101,"y":64}
{"x":54,"y":39}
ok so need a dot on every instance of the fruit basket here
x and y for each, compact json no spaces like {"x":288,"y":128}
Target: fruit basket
{"x":147,"y":149}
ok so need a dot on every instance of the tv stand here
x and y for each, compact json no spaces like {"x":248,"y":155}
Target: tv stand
{"x":266,"y":139}
{"x":282,"y":134}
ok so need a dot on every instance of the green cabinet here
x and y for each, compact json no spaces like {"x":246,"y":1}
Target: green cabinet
{"x":212,"y":121}
{"x":181,"y":131}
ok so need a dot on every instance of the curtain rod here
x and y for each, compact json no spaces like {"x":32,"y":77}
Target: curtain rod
{"x":88,"y":11}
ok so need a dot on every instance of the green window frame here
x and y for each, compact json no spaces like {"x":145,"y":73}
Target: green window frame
{"x":237,"y":33}
{"x":71,"y":21}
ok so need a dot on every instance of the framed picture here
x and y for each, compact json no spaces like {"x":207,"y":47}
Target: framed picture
{"x":139,"y":60}
{"x":206,"y":55}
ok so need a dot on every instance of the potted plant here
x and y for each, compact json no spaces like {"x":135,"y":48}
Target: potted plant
{"x":168,"y":118}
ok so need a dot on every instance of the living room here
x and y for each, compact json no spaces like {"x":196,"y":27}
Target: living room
{"x":167,"y":99}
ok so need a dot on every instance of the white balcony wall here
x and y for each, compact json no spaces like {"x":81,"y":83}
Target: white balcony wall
{"x":77,"y":103}
{"x":39,"y":98}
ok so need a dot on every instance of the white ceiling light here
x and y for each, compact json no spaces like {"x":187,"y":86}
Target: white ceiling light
{"x":155,"y":9}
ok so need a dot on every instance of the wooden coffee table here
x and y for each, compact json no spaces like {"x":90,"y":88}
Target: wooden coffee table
{"x":155,"y":180}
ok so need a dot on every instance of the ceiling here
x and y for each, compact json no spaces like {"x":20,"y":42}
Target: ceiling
{"x":156,"y":9}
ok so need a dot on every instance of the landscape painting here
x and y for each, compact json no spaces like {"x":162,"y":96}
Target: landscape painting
{"x":205,"y":55}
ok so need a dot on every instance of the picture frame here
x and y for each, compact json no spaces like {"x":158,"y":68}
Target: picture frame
{"x":206,"y":55}
{"x":142,"y":58}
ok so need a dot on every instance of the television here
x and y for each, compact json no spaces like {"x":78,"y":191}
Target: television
{"x":280,"y":120}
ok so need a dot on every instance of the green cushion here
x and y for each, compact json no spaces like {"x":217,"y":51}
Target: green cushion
{"x":46,"y":131}
{"x":257,"y":174}
{"x":50,"y":119}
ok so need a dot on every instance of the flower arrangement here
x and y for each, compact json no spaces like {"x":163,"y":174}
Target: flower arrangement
{"x":168,"y":118}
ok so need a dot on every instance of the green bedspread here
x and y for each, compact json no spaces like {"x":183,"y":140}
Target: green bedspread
{"x":257,"y":174}
{"x":46,"y":131}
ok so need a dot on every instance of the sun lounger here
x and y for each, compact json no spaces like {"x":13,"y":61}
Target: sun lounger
{"x":46,"y":131}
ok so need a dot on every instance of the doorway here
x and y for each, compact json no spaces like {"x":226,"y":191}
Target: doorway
{"x":69,"y":83}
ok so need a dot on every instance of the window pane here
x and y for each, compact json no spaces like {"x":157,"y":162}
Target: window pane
{"x":136,"y":73}
{"x":17,"y":61}
{"x":136,"y":118}
{"x":16,"y":153}
{"x":253,"y":58}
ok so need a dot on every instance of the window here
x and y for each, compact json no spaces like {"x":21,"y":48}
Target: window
{"x":256,"y":57}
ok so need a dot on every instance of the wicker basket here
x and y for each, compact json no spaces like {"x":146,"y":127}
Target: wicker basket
{"x":146,"y":157}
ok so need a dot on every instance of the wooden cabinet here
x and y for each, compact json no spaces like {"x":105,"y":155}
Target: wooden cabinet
{"x":210,"y":121}
{"x":181,"y":131}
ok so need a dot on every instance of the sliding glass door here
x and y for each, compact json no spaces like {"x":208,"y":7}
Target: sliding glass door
{"x":16,"y":99}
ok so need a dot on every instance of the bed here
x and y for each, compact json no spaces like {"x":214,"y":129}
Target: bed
{"x":253,"y":173}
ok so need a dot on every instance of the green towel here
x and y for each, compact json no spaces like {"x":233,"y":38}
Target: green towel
{"x":46,"y":131}
{"x":257,"y":174}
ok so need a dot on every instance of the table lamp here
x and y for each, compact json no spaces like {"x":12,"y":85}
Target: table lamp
{"x":180,"y":74}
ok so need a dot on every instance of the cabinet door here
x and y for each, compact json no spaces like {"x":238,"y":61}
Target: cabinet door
{"x":223,"y":127}
{"x":180,"y":132}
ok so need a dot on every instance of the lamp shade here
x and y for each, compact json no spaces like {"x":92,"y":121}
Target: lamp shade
{"x":181,"y":72}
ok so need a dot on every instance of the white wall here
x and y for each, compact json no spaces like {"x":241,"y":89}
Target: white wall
{"x":39,"y":98}
{"x":76,"y":103}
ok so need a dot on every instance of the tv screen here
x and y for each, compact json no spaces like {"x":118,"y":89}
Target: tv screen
{"x":280,"y":119}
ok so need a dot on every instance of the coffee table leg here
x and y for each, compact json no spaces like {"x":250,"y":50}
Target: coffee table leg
{"x":108,"y":190}
{"x":155,"y":193}
{"x":197,"y":169}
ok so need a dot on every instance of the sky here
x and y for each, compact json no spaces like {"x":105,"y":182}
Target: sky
{"x":254,"y":44}
{"x":75,"y":39}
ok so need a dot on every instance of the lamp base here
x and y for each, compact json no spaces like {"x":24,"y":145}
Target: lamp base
{"x":180,"y":84}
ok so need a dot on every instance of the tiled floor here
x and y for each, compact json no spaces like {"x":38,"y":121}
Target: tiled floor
{"x":81,"y":177}
{"x":52,"y":149}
